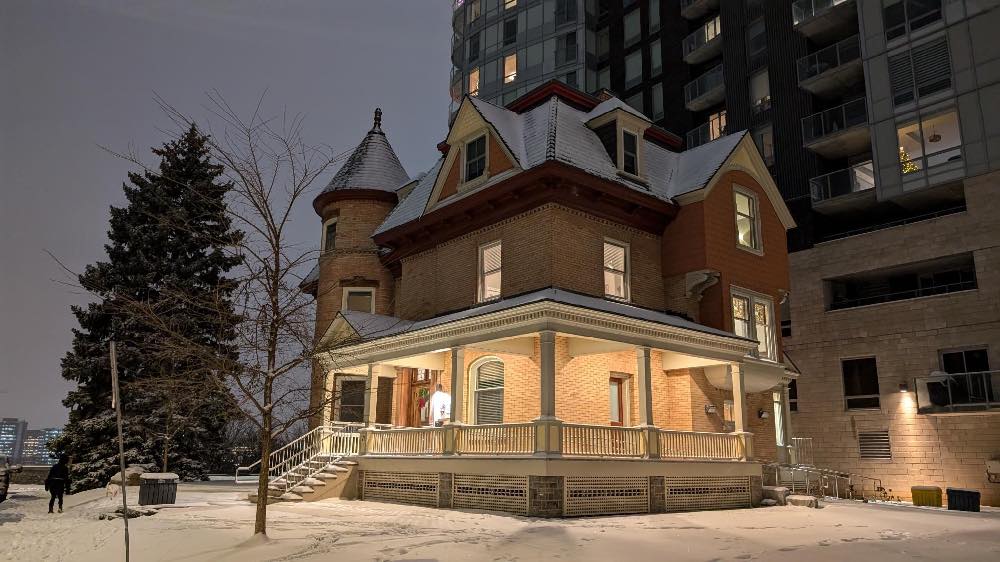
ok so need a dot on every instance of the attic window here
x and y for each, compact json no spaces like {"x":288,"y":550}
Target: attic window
{"x":475,"y":158}
{"x":630,"y":153}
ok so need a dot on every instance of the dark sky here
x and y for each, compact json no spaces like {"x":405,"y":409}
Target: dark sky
{"x":77,"y":75}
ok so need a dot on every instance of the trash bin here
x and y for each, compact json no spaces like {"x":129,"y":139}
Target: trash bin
{"x":963,"y":500}
{"x":156,"y":488}
{"x":926,"y":495}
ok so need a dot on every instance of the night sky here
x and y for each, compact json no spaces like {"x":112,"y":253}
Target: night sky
{"x":78,"y":75}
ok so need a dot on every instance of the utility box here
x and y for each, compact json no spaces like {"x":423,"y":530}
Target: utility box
{"x":926,"y":495}
{"x":157,"y":488}
{"x":963,"y":500}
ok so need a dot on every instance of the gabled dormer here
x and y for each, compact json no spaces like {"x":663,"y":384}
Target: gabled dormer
{"x":621,"y":130}
{"x":476,"y":154}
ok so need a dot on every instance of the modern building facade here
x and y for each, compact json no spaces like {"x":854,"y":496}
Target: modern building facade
{"x":12,"y":432}
{"x":36,"y":446}
{"x":637,"y":368}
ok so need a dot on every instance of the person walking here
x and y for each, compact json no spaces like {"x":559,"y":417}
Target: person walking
{"x":57,"y":483}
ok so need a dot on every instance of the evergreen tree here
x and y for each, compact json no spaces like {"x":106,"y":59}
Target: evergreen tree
{"x":168,"y":249}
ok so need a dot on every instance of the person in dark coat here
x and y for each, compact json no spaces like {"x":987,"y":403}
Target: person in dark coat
{"x":58,"y":482}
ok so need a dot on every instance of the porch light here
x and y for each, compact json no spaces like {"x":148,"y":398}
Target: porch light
{"x":904,"y":387}
{"x":709,"y":408}
{"x":763,"y":414}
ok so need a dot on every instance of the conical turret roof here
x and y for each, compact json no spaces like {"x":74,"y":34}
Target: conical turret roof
{"x":372,"y":165}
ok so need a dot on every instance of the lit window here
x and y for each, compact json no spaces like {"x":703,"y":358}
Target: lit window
{"x":717,"y":125}
{"x":747,"y":224}
{"x":615,"y":270}
{"x":860,"y":383}
{"x":359,"y":299}
{"x":753,"y":318}
{"x":760,"y":91}
{"x":475,"y":158}
{"x":474,"y":82}
{"x":630,"y":153}
{"x":489,"y":271}
{"x":329,"y":235}
{"x":508,"y":4}
{"x":933,"y":140}
{"x":510,"y":68}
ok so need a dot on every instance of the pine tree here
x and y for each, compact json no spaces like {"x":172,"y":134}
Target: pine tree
{"x":170,"y":240}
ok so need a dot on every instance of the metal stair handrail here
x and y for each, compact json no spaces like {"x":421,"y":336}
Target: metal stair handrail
{"x":300,"y":450}
{"x":826,"y":476}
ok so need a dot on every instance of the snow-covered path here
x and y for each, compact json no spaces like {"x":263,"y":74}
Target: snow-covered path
{"x":217,"y":524}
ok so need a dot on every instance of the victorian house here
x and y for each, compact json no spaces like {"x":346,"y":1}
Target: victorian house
{"x":599,"y":305}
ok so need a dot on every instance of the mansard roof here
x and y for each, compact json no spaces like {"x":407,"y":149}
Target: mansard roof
{"x":556,"y":130}
{"x":372,"y":165}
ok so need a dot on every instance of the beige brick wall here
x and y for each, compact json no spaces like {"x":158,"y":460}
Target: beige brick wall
{"x":905,"y":337}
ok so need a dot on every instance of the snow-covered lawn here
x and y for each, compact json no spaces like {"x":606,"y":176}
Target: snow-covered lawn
{"x":216,"y":523}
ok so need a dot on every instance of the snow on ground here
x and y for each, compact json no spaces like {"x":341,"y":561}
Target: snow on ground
{"x":214,"y":522}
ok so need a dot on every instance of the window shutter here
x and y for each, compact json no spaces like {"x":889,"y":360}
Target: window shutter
{"x":489,"y":393}
{"x":932,"y":67}
{"x":874,"y":445}
{"x":901,"y":79}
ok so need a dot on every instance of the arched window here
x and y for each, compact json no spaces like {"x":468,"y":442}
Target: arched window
{"x":488,"y":390}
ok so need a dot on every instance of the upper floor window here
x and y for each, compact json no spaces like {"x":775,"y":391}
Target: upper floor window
{"x":860,"y":383}
{"x":974,"y":360}
{"x":474,"y":47}
{"x":474,"y":82}
{"x":510,"y":31}
{"x":616,"y":272}
{"x":753,"y":318}
{"x":474,"y":9}
{"x":475,"y":158}
{"x":489,"y":271}
{"x":760,"y":91}
{"x":929,"y":141}
{"x":656,"y":97}
{"x":654,"y":16}
{"x":756,"y":44}
{"x":633,"y":31}
{"x":763,"y":136}
{"x":633,"y":69}
{"x":510,"y":68}
{"x":920,"y":71}
{"x":359,"y":299}
{"x":655,"y":59}
{"x":901,"y":16}
{"x":329,"y":235}
{"x":565,"y":11}
{"x":747,"y":220}
{"x":630,"y":153}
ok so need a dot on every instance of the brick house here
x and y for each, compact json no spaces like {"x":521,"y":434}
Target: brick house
{"x":599,"y":306}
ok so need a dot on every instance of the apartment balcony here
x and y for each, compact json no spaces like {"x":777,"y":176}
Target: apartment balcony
{"x":824,"y":20}
{"x":955,"y":393}
{"x":704,"y":44}
{"x":707,"y":90}
{"x":707,"y":132}
{"x":843,"y":190}
{"x":831,"y":71}
{"x":838,"y":132}
{"x":694,"y":9}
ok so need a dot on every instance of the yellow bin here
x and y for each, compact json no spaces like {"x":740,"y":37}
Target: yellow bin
{"x":926,"y":495}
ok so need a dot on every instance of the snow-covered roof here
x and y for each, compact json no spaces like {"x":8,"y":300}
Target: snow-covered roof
{"x":374,"y":326}
{"x":557,"y":131}
{"x":372,"y":165}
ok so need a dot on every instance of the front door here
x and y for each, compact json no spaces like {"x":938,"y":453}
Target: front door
{"x":422,"y":382}
{"x":616,"y":395}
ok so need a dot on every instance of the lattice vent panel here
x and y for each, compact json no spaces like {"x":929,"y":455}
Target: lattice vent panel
{"x":491,"y":492}
{"x":401,"y":487}
{"x":606,"y":495}
{"x":706,"y":492}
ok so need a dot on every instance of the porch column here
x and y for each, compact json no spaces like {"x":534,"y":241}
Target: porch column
{"x":547,"y":341}
{"x":370,"y":389}
{"x":644,"y":382}
{"x":740,"y":410}
{"x":786,"y":417}
{"x":457,"y":382}
{"x":548,"y":428}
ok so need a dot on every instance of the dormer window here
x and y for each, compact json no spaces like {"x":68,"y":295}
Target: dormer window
{"x":630,"y":153}
{"x":329,"y":235}
{"x":475,"y":158}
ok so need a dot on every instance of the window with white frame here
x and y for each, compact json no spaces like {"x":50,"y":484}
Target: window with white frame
{"x":747,"y":220}
{"x":630,"y":153}
{"x":616,"y":270}
{"x":329,"y":235}
{"x":753,"y":318}
{"x":490,"y":271}
{"x":475,"y":158}
{"x":488,"y":376}
{"x":359,"y":299}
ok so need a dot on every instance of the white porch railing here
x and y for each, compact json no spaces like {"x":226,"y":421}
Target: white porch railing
{"x":701,"y":445}
{"x":497,"y":439}
{"x":407,"y":441}
{"x":603,"y":441}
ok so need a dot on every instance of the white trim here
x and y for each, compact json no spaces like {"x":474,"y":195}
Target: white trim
{"x":758,"y":237}
{"x":481,"y":272}
{"x":638,"y":151}
{"x":338,"y":379}
{"x":628,"y":269}
{"x":473,"y":378}
{"x":464,"y":182}
{"x":369,"y":290}
{"x":322,"y":240}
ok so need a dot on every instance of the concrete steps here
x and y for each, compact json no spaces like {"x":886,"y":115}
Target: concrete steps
{"x":335,"y":479}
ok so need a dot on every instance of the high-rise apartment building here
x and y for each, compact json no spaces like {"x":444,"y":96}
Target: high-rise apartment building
{"x":12,"y":438}
{"x":36,"y":446}
{"x":875,"y":119}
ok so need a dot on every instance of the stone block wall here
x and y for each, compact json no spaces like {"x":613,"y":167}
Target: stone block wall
{"x":545,"y":496}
